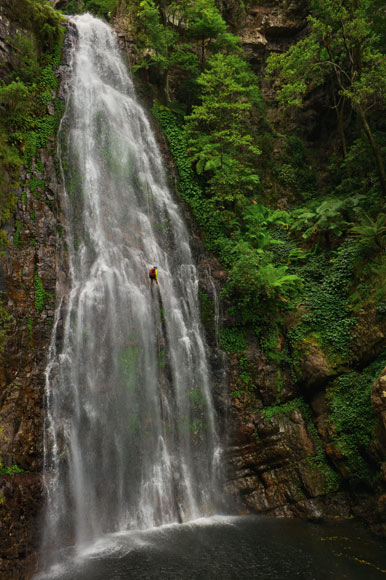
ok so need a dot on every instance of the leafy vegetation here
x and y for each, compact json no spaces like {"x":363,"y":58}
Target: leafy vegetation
{"x":219,"y":136}
{"x":10,"y":470}
{"x":40,"y":294}
{"x":26,"y":123}
{"x":343,"y":51}
{"x":97,"y":7}
{"x":302,"y":237}
{"x":353,"y":419}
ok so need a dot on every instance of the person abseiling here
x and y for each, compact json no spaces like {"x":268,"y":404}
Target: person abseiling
{"x":153,"y":275}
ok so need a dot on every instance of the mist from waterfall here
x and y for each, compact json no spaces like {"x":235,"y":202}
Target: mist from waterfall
{"x":131,"y":438}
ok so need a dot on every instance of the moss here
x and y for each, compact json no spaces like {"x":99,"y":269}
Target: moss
{"x":10,"y":470}
{"x":353,"y":419}
{"x":30,"y":328}
{"x":16,"y":237}
{"x":5,"y":324}
{"x":40,"y":294}
{"x":245,"y":372}
{"x":206,"y":310}
{"x":233,"y":340}
{"x":319,"y":461}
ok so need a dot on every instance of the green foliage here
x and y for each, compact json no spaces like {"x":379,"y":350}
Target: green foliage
{"x":189,"y":187}
{"x":341,"y":51}
{"x":352,"y":417}
{"x":16,"y":101}
{"x":321,"y":219}
{"x":370,"y":287}
{"x":40,"y":18}
{"x":10,"y":470}
{"x":219,"y":130}
{"x":245,"y":372}
{"x":233,"y":340}
{"x":157,"y":35}
{"x":40,"y":294}
{"x":25,"y":124}
{"x":5,"y":325}
{"x":16,"y":237}
{"x":298,"y":276}
{"x":24,"y":47}
{"x":253,"y":278}
{"x":30,"y":328}
{"x":205,"y":23}
{"x":197,"y":398}
{"x":341,"y":44}
{"x":371,"y":232}
{"x":176,"y":38}
{"x":328,"y":315}
{"x":97,"y":7}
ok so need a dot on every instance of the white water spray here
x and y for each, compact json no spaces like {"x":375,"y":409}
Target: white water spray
{"x":131,"y":433}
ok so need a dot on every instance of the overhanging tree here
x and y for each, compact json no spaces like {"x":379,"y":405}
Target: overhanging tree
{"x":343,"y":50}
{"x":219,"y":131}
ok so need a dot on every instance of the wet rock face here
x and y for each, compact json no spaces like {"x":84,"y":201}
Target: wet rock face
{"x":272,"y":27}
{"x":28,"y":275}
{"x":378,"y":401}
{"x":28,"y":278}
{"x":7,"y":30}
{"x":273,"y":467}
{"x":20,"y":511}
{"x":315,"y":368}
{"x":283,"y":459}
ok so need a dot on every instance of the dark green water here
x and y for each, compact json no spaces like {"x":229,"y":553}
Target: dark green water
{"x":231,"y":548}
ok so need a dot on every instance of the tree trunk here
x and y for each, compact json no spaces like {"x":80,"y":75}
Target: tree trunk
{"x":374,"y":146}
{"x":167,"y":86}
{"x":340,"y":118}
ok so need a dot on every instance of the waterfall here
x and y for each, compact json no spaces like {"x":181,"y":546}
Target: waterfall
{"x":131,"y":440}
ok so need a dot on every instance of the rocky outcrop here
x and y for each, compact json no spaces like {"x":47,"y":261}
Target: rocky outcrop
{"x":7,"y":56}
{"x":276,"y":462}
{"x":284,"y":459}
{"x":378,"y":400}
{"x":271,"y":27}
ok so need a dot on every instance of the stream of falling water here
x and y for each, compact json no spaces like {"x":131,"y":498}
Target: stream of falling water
{"x":131,"y":431}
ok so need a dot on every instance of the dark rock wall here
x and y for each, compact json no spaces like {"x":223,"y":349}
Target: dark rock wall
{"x":31,"y":263}
{"x":29,"y":268}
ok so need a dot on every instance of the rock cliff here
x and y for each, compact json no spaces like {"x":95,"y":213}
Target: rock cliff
{"x":29,"y":268}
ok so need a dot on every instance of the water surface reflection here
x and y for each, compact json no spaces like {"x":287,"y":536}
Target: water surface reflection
{"x":231,"y":548}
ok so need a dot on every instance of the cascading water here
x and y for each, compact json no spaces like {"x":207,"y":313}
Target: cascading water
{"x":131,"y":437}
